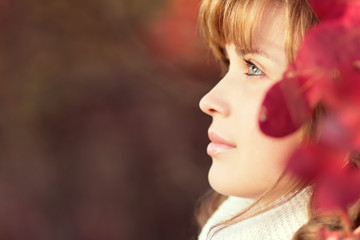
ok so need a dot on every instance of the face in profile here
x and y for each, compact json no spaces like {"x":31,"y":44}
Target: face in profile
{"x":245,"y":162}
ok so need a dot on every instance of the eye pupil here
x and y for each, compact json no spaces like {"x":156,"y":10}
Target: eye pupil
{"x":253,"y":69}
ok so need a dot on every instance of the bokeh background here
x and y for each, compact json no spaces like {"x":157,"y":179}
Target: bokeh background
{"x":101,"y":136}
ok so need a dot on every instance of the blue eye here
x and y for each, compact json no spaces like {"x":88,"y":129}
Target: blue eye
{"x":253,"y":70}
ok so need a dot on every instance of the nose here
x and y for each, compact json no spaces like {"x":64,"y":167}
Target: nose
{"x":215,"y":102}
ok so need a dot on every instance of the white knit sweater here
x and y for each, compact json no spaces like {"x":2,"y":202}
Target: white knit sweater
{"x":279,"y":223}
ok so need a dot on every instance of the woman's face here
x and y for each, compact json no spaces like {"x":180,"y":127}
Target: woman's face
{"x":245,"y":162}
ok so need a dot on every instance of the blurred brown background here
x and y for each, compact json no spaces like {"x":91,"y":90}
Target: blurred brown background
{"x":100,"y":132}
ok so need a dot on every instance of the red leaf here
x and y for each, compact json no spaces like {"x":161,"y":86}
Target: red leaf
{"x":341,"y":129}
{"x":349,"y":117}
{"x":338,"y":189}
{"x":329,"y":9}
{"x":312,"y":160}
{"x":284,"y":108}
{"x":344,"y":10}
{"x":307,"y":162}
{"x":329,"y":60}
{"x":333,"y":133}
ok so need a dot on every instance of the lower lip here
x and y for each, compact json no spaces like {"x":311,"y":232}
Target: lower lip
{"x":214,"y":149}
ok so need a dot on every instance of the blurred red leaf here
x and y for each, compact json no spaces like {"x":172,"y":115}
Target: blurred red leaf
{"x":349,"y":116}
{"x":284,"y":108}
{"x":345,"y":10}
{"x":329,"y":9}
{"x":173,"y":33}
{"x":337,"y":189}
{"x":329,"y":61}
{"x":306,"y":162}
{"x":333,"y":133}
{"x":313,"y":160}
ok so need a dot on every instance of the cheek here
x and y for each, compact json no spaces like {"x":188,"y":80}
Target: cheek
{"x":258,"y":160}
{"x":267,"y":155}
{"x":245,"y":116}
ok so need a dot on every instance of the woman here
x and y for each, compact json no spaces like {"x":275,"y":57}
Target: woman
{"x":255,"y":40}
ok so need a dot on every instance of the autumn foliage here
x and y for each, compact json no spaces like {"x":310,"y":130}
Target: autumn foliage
{"x":326,"y":70}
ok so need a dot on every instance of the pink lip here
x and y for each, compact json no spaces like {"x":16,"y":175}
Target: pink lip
{"x":218,"y":145}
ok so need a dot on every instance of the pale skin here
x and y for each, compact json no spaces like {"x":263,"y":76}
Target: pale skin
{"x":245,"y":162}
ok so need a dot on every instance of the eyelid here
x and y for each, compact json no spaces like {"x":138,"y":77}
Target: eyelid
{"x":250,"y":62}
{"x":249,"y":59}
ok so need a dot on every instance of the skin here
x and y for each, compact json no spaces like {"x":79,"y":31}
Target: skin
{"x":257,"y":161}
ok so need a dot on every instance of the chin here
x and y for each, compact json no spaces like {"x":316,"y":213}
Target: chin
{"x":221,"y":183}
{"x":217,"y":182}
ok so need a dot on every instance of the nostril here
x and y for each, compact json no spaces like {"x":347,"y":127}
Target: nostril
{"x":211,"y":110}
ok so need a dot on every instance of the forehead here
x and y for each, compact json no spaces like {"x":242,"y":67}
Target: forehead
{"x":269,"y":34}
{"x":267,"y":28}
{"x":247,"y":18}
{"x":267,"y":37}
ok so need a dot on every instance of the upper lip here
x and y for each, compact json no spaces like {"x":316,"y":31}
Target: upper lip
{"x":217,"y":139}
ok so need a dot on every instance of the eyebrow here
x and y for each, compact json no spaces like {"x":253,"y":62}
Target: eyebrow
{"x":242,"y":52}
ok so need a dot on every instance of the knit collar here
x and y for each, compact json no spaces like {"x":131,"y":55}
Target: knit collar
{"x":279,"y":223}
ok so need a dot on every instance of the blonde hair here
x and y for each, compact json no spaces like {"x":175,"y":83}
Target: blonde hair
{"x":225,"y":21}
{"x":222,"y":21}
